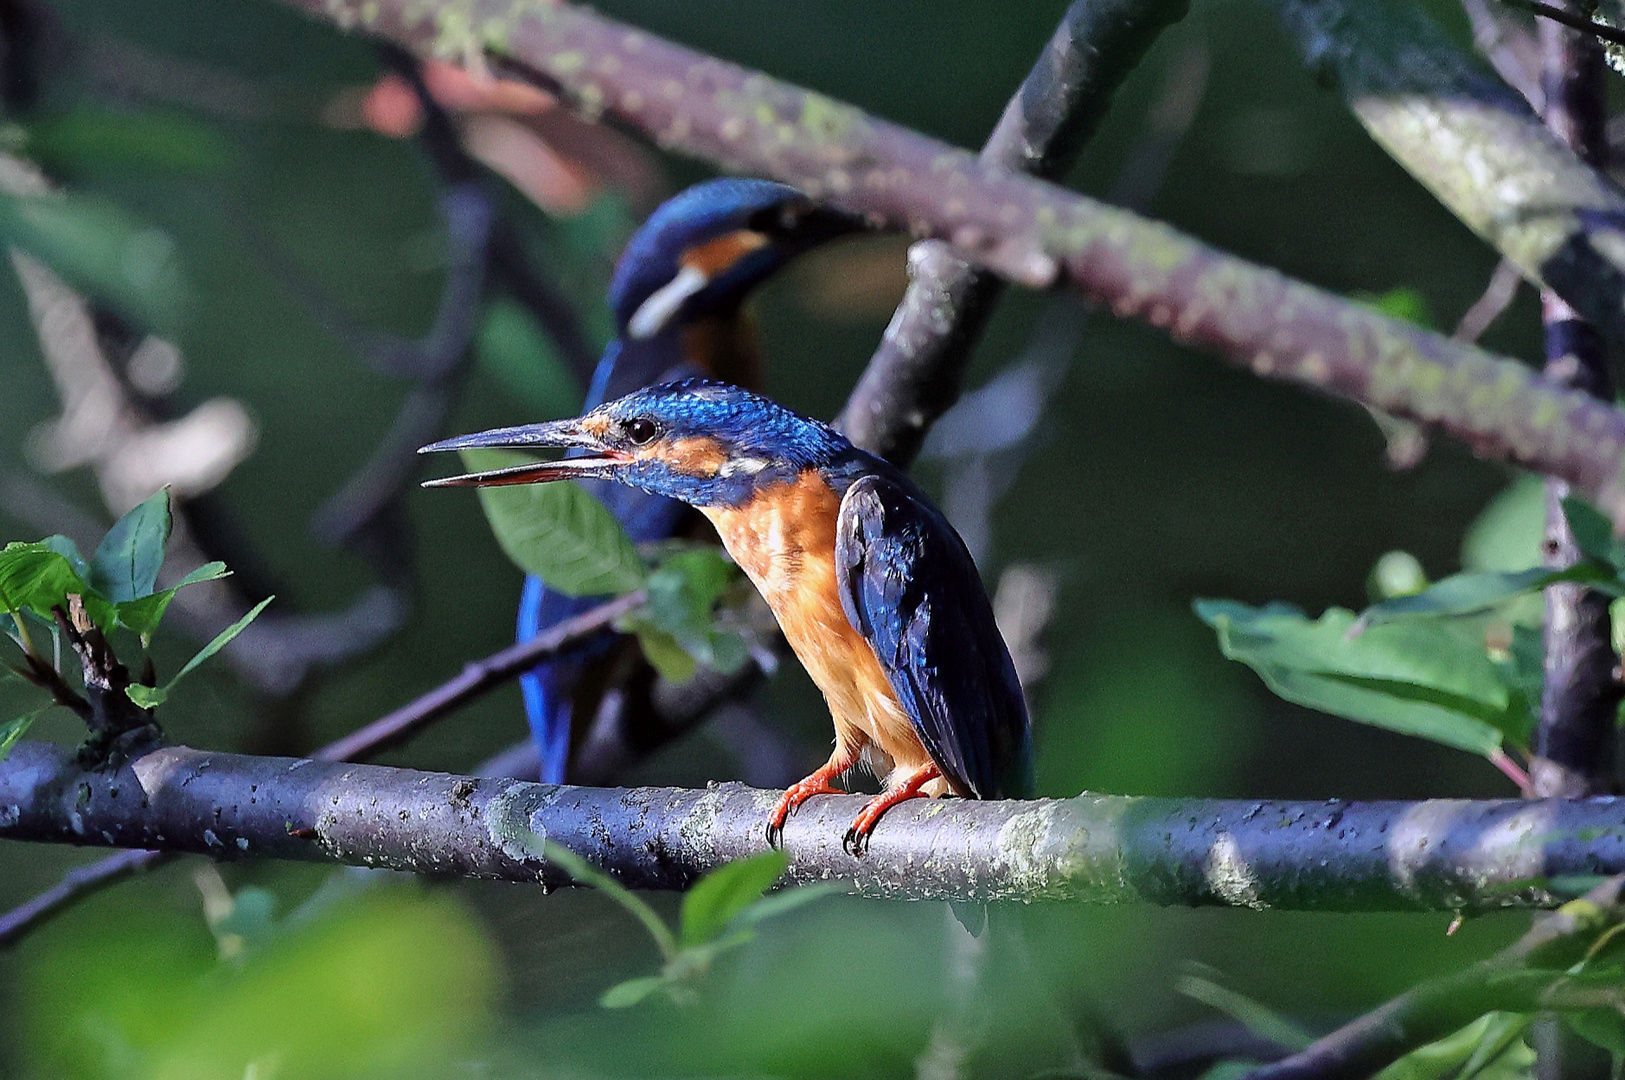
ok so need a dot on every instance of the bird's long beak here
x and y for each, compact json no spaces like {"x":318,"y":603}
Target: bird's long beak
{"x":557,"y":434}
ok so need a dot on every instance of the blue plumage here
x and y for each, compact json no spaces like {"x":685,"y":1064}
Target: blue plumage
{"x":676,"y":296}
{"x":874,"y":590}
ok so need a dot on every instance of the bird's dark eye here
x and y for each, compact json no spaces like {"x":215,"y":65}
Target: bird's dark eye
{"x":641,"y":430}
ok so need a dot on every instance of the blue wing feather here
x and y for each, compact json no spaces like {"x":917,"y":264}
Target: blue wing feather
{"x":910,"y":587}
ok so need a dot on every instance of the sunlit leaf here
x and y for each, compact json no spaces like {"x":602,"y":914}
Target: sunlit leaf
{"x":624,"y":995}
{"x":126,"y":562}
{"x":664,"y":653}
{"x":37,"y":578}
{"x":149,"y":697}
{"x":558,"y":532}
{"x":713,"y":901}
{"x":1431,"y":679}
{"x":1490,"y":1048}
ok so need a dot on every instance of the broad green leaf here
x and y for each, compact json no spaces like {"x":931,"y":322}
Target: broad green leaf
{"x":149,"y":697}
{"x":1507,"y":534}
{"x":716,"y":898}
{"x":1593,"y":533}
{"x":70,"y":551}
{"x":102,"y":250}
{"x":126,"y":562}
{"x":558,"y":532}
{"x":1490,"y":1046}
{"x":144,"y":613}
{"x":124,"y":139}
{"x":624,"y":995}
{"x":1435,"y":679}
{"x":1471,"y":593}
{"x":587,"y":874}
{"x":1604,"y":1027}
{"x":12,"y":730}
{"x":37,"y":578}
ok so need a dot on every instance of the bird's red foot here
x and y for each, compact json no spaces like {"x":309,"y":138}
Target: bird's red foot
{"x":856,"y":840}
{"x":816,"y":784}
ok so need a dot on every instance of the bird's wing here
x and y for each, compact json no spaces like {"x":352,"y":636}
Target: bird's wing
{"x":911,"y":589}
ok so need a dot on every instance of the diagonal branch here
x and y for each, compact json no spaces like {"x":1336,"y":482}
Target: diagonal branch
{"x":1443,"y":855}
{"x":1029,"y":231}
{"x":919,"y":369}
{"x":1475,"y":144}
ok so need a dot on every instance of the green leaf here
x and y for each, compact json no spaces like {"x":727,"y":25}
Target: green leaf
{"x":1396,"y":573}
{"x":1491,"y":1046}
{"x":1604,"y":1027}
{"x":677,"y":625}
{"x":1593,"y":533}
{"x":144,"y":613}
{"x":585,"y":873}
{"x":1401,"y":302}
{"x":101,"y":249}
{"x":150,"y":697}
{"x":558,"y":532}
{"x":716,"y":898}
{"x":37,"y":578}
{"x":70,"y":551}
{"x":126,"y":562}
{"x":1472,"y":593}
{"x":124,"y":139}
{"x":624,"y":995}
{"x":12,"y":730}
{"x":1435,"y":680}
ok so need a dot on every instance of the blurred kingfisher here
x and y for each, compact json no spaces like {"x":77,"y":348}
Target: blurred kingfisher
{"x":872,"y":587}
{"x":677,"y":296}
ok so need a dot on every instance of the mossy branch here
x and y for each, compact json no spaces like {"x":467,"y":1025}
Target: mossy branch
{"x":1024,"y":229}
{"x":1440,"y":855}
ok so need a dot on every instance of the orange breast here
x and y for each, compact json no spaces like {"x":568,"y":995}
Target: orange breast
{"x":784,"y":540}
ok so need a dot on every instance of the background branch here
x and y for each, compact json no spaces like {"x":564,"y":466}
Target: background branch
{"x":918,"y":371}
{"x":1446,"y":855}
{"x":1035,"y":233}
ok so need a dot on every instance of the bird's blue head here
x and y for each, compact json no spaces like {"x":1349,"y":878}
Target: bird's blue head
{"x":704,"y":249}
{"x":706,"y":443}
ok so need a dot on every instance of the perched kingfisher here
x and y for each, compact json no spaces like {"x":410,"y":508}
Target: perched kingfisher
{"x":872,"y":587}
{"x":677,"y":296}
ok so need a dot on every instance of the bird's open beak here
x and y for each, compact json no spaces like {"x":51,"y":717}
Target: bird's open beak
{"x":558,"y":434}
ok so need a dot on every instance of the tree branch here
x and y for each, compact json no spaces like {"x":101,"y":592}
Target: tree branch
{"x":919,"y":369}
{"x":1030,"y":231}
{"x":1519,"y":978}
{"x":1448,"y":855}
{"x":387,"y":731}
{"x":1476,"y":144}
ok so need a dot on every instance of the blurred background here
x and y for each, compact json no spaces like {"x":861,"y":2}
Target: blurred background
{"x":261,"y":228}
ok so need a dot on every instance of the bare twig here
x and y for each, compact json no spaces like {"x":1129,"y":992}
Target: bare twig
{"x":390,"y":730}
{"x":1571,"y":19}
{"x":1035,"y":233}
{"x":1453,"y":855}
{"x":1498,"y":294}
{"x":919,"y":369}
{"x":1519,"y":978}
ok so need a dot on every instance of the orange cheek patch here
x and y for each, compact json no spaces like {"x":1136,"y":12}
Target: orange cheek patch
{"x":697,"y":455}
{"x":714,"y":257}
{"x":596,"y":426}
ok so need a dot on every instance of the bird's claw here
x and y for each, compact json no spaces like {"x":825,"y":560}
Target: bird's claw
{"x":855,"y":842}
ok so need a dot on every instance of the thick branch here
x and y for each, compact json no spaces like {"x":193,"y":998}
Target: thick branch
{"x":1446,"y":855}
{"x":1030,"y":231}
{"x":1476,"y":144}
{"x":918,"y":371}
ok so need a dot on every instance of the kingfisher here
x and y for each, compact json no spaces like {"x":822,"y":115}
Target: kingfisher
{"x":874,"y":590}
{"x":677,"y":297}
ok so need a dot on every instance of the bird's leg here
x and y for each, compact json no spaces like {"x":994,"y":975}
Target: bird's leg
{"x":856,"y":840}
{"x":818,"y":783}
